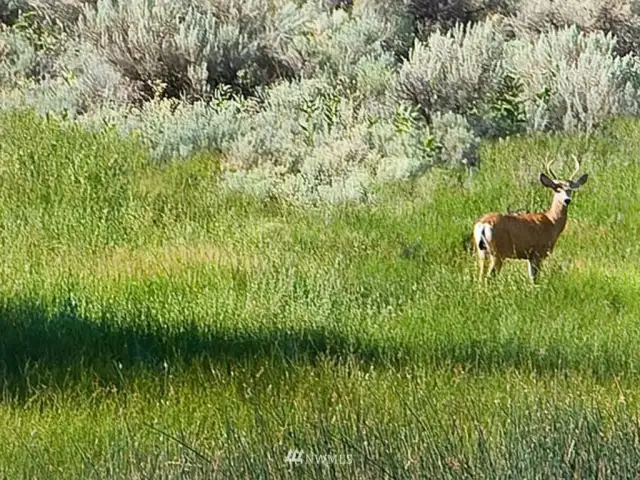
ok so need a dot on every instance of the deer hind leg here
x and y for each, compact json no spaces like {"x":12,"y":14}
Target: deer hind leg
{"x":495,"y":265}
{"x":482,"y":261}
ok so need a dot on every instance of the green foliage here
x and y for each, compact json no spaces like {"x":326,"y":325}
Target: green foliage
{"x":157,"y":321}
{"x":312,"y":146}
{"x":19,"y":59}
{"x":26,"y":52}
{"x":48,"y":68}
{"x":52,"y":172}
{"x":304,"y":142}
{"x":507,"y":114}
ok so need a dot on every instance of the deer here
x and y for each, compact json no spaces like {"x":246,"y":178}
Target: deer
{"x":526,"y":236}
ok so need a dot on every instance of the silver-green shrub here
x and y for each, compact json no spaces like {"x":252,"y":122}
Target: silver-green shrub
{"x":344,"y":45}
{"x":458,"y":144}
{"x":19,"y":60}
{"x":563,"y":80}
{"x":313,"y":101}
{"x":573,"y":80}
{"x":456,"y":71}
{"x":61,"y":13}
{"x":193,"y":46}
{"x":311,"y":145}
{"x":172,"y":129}
{"x":73,"y":82}
{"x":301,"y":141}
{"x":621,"y":18}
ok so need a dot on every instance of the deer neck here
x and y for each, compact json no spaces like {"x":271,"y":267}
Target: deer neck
{"x":557,"y":213}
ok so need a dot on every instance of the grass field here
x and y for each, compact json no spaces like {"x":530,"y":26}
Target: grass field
{"x":153,"y":325}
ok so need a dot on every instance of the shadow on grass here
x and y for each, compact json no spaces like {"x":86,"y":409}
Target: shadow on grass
{"x":60,"y":346}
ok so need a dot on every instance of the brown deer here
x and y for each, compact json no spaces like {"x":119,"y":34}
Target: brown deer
{"x":526,"y":236}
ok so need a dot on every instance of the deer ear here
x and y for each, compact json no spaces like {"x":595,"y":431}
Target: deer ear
{"x":581,"y":181}
{"x":547,"y":182}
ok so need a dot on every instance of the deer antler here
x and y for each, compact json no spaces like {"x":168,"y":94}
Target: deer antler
{"x":575,"y":158}
{"x":550,"y":172}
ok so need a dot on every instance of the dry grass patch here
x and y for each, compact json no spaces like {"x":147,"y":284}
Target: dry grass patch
{"x":157,"y":261}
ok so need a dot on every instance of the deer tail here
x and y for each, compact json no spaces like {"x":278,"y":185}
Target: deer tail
{"x":482,"y":235}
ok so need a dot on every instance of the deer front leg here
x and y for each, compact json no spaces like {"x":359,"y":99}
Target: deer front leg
{"x":534,"y":268}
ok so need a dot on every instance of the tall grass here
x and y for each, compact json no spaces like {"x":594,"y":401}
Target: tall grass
{"x":153,"y":324}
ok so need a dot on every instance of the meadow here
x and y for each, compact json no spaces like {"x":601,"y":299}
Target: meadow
{"x":235,"y":239}
{"x":156,"y":324}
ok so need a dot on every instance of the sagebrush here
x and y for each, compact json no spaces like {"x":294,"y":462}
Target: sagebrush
{"x":319,"y":101}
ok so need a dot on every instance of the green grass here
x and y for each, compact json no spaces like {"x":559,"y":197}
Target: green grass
{"x":154,"y":325}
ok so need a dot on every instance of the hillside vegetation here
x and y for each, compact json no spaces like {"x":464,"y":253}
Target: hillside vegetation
{"x":322,"y":101}
{"x":231,"y":230}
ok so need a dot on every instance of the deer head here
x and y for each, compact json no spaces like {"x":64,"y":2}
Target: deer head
{"x":562,"y":188}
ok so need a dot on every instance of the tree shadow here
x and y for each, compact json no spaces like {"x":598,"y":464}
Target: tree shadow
{"x":62,"y":347}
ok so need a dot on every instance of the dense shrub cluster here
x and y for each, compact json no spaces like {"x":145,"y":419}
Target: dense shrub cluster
{"x":563,"y":79}
{"x":618,"y":17}
{"x":460,"y":71}
{"x":193,"y":46}
{"x":572,"y":80}
{"x":322,"y":100}
{"x":445,"y":14}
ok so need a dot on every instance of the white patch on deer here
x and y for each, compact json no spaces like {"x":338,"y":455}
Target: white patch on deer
{"x":483,"y":233}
